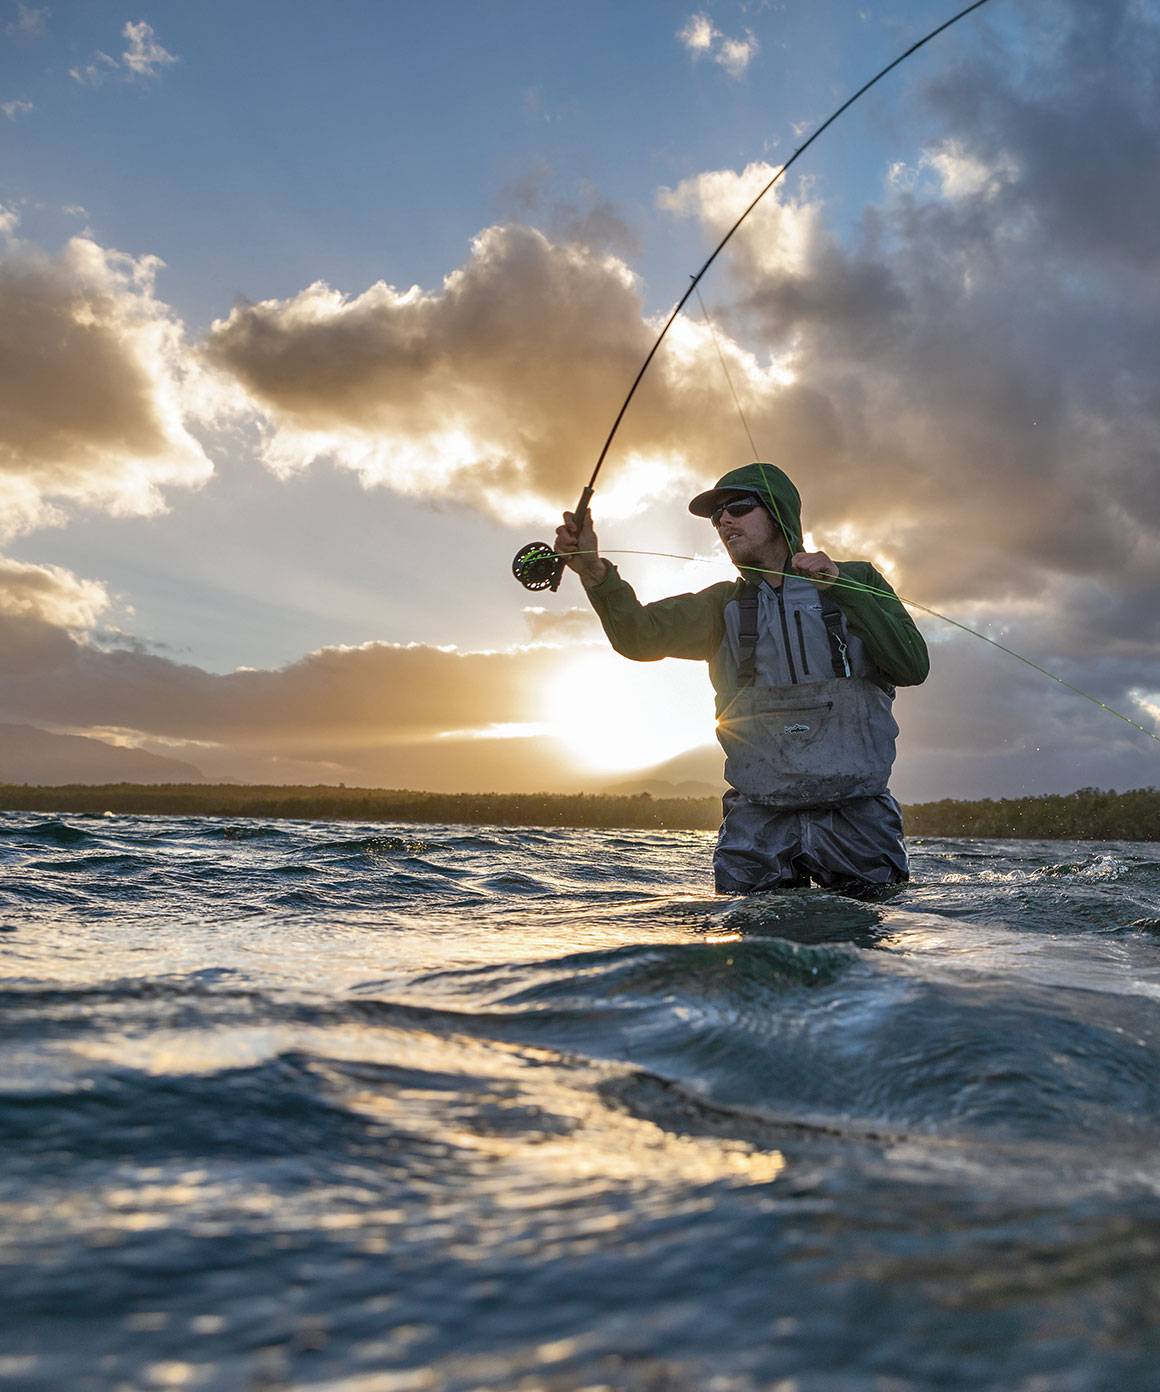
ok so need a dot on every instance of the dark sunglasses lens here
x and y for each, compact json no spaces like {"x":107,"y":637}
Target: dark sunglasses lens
{"x":738,"y":509}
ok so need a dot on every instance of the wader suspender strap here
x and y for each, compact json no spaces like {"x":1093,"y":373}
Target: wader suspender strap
{"x":839,"y":654}
{"x":747,"y":663}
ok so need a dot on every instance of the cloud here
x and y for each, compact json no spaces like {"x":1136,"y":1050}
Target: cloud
{"x":586,"y":219}
{"x":95,"y":71}
{"x":495,"y":391}
{"x":427,"y":717}
{"x":50,"y":595}
{"x":407,"y":715}
{"x":703,"y":39}
{"x":735,"y":55}
{"x":13,"y":109}
{"x":30,"y":22}
{"x":698,"y":34}
{"x":977,"y":358}
{"x":561,"y":625}
{"x":145,"y":54}
{"x":142,"y":59}
{"x":95,"y":386}
{"x":976,"y":395}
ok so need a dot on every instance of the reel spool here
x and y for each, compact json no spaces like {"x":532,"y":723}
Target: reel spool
{"x":536,"y":566}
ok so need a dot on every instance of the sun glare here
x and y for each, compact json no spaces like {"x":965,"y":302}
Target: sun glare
{"x":615,"y":714}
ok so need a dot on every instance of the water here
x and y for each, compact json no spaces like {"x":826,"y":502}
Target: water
{"x":414,"y":1109}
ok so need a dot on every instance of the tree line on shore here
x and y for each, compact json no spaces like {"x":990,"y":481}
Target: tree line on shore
{"x":1088,"y":814}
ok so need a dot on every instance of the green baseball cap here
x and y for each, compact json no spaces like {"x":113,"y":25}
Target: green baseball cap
{"x":770,"y":484}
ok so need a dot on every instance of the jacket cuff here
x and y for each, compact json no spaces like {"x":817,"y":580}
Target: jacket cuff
{"x":609,"y":575}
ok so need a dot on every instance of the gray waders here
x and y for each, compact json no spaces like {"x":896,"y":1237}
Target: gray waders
{"x":809,"y":763}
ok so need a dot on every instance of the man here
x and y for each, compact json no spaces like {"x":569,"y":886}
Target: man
{"x":804,"y":671}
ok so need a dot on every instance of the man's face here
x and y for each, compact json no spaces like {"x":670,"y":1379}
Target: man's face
{"x":751,"y":537}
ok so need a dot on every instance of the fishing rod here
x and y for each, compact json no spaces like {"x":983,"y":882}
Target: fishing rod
{"x":536,"y":565}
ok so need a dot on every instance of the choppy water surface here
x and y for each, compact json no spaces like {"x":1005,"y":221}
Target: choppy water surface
{"x":389,"y":1109}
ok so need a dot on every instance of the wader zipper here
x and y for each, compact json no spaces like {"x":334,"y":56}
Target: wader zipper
{"x":785,"y":638}
{"x":797,"y":614}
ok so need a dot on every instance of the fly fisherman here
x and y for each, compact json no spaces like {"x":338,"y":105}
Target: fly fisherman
{"x":804,"y":673}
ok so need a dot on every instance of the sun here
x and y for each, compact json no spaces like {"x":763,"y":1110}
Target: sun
{"x":615,"y":714}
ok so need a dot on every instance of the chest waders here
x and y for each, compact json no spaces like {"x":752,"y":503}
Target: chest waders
{"x":810,"y":743}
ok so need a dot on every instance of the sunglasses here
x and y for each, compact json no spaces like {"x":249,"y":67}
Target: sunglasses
{"x":738,"y":508}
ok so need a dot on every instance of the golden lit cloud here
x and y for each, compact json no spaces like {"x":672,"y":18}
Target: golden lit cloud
{"x":496,"y":390}
{"x":50,"y":594}
{"x":95,"y":386}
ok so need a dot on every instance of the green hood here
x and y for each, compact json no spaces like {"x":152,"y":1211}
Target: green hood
{"x":773,"y":488}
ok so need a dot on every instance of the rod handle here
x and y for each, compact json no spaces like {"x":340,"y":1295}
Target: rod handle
{"x":580,"y":514}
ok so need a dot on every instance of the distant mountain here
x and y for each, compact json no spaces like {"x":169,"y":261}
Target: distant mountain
{"x":31,"y":755}
{"x":695,"y":773}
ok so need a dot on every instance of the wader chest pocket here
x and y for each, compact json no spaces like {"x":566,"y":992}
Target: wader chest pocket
{"x":789,"y":747}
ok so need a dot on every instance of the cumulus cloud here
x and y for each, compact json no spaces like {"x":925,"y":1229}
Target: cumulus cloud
{"x":978,"y":357}
{"x":50,"y":595}
{"x":586,"y":219}
{"x":30,"y":22}
{"x":496,"y":390}
{"x":142,"y":59}
{"x":95,"y":71}
{"x":976,"y":368}
{"x":18,"y":107}
{"x":145,"y":54}
{"x":95,"y":386}
{"x":735,"y":55}
{"x":698,"y":34}
{"x":702,"y":39}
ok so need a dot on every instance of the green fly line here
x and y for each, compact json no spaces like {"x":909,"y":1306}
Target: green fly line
{"x":844,"y":582}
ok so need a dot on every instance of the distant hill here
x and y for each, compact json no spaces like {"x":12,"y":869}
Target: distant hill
{"x":31,"y":755}
{"x":696,"y":773}
{"x":1088,"y":814}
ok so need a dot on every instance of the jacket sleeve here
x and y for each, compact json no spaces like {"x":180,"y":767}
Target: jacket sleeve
{"x":894,"y":644}
{"x":688,"y":625}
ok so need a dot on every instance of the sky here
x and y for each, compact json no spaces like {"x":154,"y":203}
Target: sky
{"x":311,"y":315}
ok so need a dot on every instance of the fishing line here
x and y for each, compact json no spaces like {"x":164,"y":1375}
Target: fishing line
{"x":845,"y":582}
{"x":725,"y":370}
{"x":534,"y":566}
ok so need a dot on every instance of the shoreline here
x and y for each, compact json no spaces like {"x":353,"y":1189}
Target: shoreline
{"x":1088,"y":814}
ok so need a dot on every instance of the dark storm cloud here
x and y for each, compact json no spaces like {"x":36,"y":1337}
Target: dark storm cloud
{"x":984,"y":353}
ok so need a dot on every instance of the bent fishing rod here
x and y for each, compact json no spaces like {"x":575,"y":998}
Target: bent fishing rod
{"x":537,"y":566}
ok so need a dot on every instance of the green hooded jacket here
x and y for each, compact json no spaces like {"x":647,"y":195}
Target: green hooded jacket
{"x":693,"y":625}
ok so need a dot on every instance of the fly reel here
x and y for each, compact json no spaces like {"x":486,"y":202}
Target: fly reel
{"x":536,"y":566}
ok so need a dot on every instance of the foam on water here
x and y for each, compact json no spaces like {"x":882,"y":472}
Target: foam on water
{"x":318,"y":1105}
